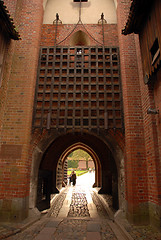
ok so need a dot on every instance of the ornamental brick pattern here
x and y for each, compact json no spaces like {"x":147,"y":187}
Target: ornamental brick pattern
{"x":65,"y":31}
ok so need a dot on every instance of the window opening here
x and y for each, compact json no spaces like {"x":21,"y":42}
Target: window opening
{"x":83,"y":165}
{"x":155,"y":51}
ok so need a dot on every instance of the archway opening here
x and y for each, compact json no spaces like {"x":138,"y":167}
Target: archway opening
{"x":84,"y":159}
{"x":50,"y":169}
{"x":82,"y":164}
{"x":79,"y":38}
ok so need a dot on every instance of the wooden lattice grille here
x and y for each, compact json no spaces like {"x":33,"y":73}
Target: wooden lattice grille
{"x":78,"y":88}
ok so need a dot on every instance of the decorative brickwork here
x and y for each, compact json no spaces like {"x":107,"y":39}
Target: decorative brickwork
{"x":93,"y":31}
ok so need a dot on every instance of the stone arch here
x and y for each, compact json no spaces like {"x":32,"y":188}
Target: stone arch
{"x":79,"y":38}
{"x":94,"y":156}
{"x":109,"y":148}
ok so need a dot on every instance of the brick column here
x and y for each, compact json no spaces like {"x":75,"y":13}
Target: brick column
{"x":16,"y":128}
{"x":135,"y":163}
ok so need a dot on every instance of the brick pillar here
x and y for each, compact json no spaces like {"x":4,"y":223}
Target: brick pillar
{"x":135,"y":160}
{"x":16,"y":125}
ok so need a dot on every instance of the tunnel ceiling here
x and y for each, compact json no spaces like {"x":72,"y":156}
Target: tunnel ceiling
{"x":63,"y":142}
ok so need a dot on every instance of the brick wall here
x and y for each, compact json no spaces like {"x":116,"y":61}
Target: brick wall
{"x":136,"y":165}
{"x":7,"y":62}
{"x":93,"y":31}
{"x":156,"y":167}
{"x":16,"y":128}
{"x":91,"y":164}
{"x":142,"y":131}
{"x":157,"y":97}
{"x":151,"y":99}
{"x":82,"y":165}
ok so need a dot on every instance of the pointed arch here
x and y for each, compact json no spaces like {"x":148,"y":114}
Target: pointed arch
{"x":105,"y":152}
{"x":94,"y":156}
{"x":79,"y":38}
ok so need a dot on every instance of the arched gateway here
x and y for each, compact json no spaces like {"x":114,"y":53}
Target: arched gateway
{"x":90,"y":91}
{"x":78,"y":104}
{"x":51,"y":151}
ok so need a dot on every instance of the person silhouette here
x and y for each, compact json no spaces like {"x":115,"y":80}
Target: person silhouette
{"x":73,"y":178}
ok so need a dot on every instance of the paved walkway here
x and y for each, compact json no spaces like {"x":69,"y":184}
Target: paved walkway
{"x":78,"y":213}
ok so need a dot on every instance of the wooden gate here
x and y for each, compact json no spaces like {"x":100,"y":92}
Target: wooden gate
{"x":78,"y":88}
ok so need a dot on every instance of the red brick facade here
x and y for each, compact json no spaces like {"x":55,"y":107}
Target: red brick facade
{"x":94,"y":32}
{"x":82,"y":165}
{"x":136,"y":175}
{"x":19,"y":82}
{"x":140,"y":144}
{"x":142,"y":131}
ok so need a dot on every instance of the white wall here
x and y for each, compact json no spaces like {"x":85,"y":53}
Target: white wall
{"x":44,"y":4}
{"x":69,"y":11}
{"x":115,"y":1}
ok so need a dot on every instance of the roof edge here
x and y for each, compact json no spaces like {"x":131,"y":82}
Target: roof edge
{"x":137,"y":14}
{"x":9,"y":24}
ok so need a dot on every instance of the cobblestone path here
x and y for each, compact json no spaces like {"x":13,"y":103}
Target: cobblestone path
{"x":71,"y":229}
{"x":78,"y":206}
{"x":85,"y":219}
{"x":57,"y":205}
{"x":100,"y":208}
{"x":79,"y":214}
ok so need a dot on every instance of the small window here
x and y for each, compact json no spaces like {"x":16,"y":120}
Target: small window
{"x":155,"y":51}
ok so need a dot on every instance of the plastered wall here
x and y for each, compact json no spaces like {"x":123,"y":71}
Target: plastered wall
{"x":69,"y":11}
